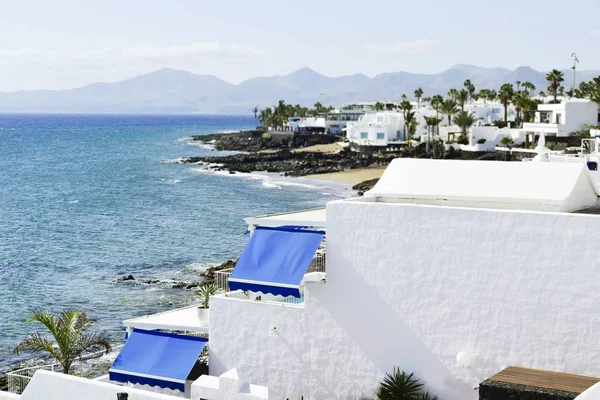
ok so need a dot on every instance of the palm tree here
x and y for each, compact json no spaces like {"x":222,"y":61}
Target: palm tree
{"x":431,"y":123}
{"x":255,"y":112}
{"x":461,"y":98}
{"x":418,"y":95}
{"x":378,"y":106}
{"x":449,"y":108}
{"x":206,"y":290}
{"x":485,"y":94}
{"x":529,"y":86}
{"x":464,"y":120}
{"x":436,"y":102}
{"x":406,"y":107}
{"x":554,"y":79}
{"x":452,"y":93}
{"x":470,"y":89}
{"x":506,"y":94}
{"x":521,"y":101}
{"x":68,"y":339}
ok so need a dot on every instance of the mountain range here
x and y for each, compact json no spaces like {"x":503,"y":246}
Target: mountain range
{"x":174,"y":91}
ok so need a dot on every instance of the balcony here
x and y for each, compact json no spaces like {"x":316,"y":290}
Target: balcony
{"x":315,"y":274}
{"x":539,"y":127}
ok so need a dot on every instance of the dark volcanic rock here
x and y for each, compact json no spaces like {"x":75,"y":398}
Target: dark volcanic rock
{"x":209,"y":274}
{"x":292,"y":163}
{"x":259,"y":140}
{"x":126,"y":278}
{"x":365,"y":185}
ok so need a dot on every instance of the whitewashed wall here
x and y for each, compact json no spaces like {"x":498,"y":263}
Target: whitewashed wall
{"x":412,"y":286}
{"x":54,"y":386}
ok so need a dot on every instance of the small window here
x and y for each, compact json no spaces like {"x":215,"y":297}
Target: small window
{"x":380,"y":136}
{"x":364,"y":135}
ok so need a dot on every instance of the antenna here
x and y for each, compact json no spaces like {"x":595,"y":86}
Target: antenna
{"x":575,"y":62}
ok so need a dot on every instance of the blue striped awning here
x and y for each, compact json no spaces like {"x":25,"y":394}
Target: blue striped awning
{"x":157,"y":359}
{"x":275,"y":261}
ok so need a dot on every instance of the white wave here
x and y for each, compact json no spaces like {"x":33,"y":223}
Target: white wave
{"x":270,"y":185}
{"x":277,"y":181}
{"x":74,"y":202}
{"x":172,"y":160}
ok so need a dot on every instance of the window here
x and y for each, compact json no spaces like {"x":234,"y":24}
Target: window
{"x":380,"y":135}
{"x":364,"y":135}
{"x":495,"y":111}
{"x":558,"y":118}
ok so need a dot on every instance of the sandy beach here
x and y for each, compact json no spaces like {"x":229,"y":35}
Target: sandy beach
{"x":351,"y":176}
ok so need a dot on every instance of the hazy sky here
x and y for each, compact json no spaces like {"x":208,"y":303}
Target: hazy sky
{"x":55,"y":44}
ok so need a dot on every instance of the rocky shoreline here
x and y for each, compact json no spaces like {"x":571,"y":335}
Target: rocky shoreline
{"x":289,"y":163}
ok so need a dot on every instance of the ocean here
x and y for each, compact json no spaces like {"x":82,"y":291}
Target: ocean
{"x":86,"y":199}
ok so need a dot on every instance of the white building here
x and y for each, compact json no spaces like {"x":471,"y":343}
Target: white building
{"x":486,"y":113}
{"x":307,"y":124}
{"x":480,"y":261}
{"x":449,"y":269}
{"x":337,"y":120}
{"x":377,"y":129}
{"x":561,"y":119}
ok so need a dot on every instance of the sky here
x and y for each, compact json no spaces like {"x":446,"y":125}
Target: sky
{"x":63,"y":44}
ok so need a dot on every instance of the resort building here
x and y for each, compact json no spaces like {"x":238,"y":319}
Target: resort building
{"x":378,"y":129}
{"x":454,"y":271}
{"x":450,"y":269}
{"x":562,"y":119}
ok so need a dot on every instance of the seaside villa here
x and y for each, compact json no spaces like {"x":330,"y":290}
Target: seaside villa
{"x":450,"y":269}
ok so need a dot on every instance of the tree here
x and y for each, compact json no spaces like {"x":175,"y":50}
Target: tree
{"x":462,"y":96}
{"x":507,"y":141}
{"x":470,"y":89}
{"x":529,"y":86}
{"x":485,"y":94}
{"x":436,"y":102}
{"x":68,"y":339}
{"x":522,"y":102}
{"x":452,"y":93}
{"x":554,"y":79}
{"x":449,"y":108}
{"x":418,"y":95}
{"x":431,"y":123}
{"x":464,"y":120}
{"x":207,"y":290}
{"x":265,"y":117}
{"x":506,"y":94}
{"x":378,"y":106}
{"x":255,"y":112}
{"x":406,"y":107}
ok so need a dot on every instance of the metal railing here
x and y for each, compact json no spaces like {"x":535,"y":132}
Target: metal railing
{"x":20,"y":378}
{"x":222,"y":279}
{"x":267,"y":298}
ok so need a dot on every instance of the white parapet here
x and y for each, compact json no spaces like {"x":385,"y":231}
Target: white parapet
{"x":228,"y":386}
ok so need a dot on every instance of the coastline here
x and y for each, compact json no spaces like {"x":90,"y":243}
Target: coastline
{"x":350,"y":176}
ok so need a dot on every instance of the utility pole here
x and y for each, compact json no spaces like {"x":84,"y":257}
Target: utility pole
{"x":575,"y":62}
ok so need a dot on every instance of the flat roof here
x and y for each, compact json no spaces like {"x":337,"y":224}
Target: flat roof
{"x":552,"y":186}
{"x":190,"y":319}
{"x":312,"y":217}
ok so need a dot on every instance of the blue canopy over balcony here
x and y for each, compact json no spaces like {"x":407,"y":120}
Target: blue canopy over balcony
{"x":157,"y":359}
{"x":275,"y":261}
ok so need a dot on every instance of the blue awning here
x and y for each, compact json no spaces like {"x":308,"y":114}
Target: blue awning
{"x":157,"y":359}
{"x":275,"y":261}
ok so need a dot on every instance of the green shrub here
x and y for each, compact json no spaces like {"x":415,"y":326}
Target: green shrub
{"x":481,"y":141}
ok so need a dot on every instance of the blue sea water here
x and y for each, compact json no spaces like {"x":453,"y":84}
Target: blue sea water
{"x":87,"y":199}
